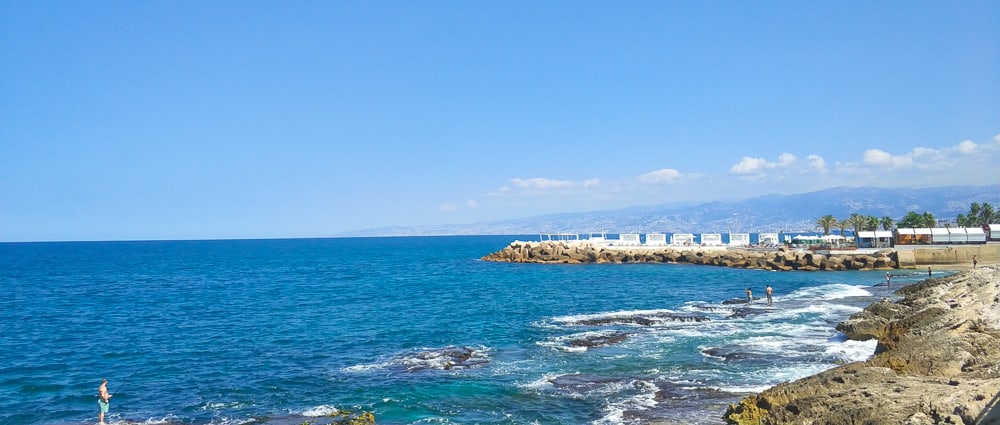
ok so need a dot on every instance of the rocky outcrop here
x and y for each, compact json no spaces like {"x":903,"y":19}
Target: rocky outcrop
{"x":937,"y":362}
{"x":561,"y":252}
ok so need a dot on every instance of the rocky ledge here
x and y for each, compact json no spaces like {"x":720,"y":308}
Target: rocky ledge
{"x":561,"y":252}
{"x":937,"y":362}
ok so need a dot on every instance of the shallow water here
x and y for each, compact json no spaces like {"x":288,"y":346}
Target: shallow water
{"x":418,"y":330}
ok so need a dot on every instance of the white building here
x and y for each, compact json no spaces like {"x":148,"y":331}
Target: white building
{"x":711,"y":239}
{"x":739,"y":239}
{"x":656,"y":239}
{"x":686,"y":239}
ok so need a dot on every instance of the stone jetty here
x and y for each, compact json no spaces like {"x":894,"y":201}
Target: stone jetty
{"x":579,"y":252}
{"x":937,"y":362}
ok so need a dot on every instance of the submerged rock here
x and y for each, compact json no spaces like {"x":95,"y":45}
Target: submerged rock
{"x":599,"y":340}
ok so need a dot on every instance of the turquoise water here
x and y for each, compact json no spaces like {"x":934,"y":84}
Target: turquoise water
{"x":417,"y":330}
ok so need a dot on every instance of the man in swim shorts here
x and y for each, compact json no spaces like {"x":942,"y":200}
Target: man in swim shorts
{"x":103,"y":399}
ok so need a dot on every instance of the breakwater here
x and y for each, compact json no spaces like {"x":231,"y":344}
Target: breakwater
{"x":580,"y":252}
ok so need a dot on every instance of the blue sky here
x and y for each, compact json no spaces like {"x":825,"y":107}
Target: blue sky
{"x":182,"y":119}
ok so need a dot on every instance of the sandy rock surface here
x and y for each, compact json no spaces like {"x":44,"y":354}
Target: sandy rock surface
{"x":937,"y":362}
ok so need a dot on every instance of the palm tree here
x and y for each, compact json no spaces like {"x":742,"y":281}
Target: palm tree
{"x":871,"y":223}
{"x":886,"y":223}
{"x":843,"y":225}
{"x":975,"y":214}
{"x":858,"y":222}
{"x":987,"y":215}
{"x":928,"y":220}
{"x":911,"y":219}
{"x":962,"y":221}
{"x":826,"y":222}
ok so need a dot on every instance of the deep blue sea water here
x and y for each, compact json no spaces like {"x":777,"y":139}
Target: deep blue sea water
{"x":418,"y":330}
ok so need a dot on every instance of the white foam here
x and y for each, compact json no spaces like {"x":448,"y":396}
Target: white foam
{"x":829,"y":292}
{"x":576,"y":318}
{"x":740,"y":389}
{"x":853,"y":351}
{"x":322,"y":410}
{"x":644,"y":399}
{"x":365,"y":367}
{"x":545,"y":382}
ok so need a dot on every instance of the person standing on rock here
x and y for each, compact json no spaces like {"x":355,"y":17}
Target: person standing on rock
{"x":888,"y":277}
{"x":749,"y":296}
{"x":768,"y":291}
{"x":103,"y":397}
{"x":974,"y":261}
{"x":928,"y":272}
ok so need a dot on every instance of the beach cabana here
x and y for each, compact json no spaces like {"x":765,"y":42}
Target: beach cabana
{"x":922,"y":235}
{"x":992,"y":232}
{"x":682,"y":239}
{"x":628,"y":239}
{"x":905,"y":236}
{"x":975,"y":235}
{"x":940,"y":235}
{"x":768,"y":239}
{"x":656,"y":239}
{"x":739,"y":239}
{"x":711,"y":239}
{"x":865,"y":239}
{"x":833,"y":240}
{"x":957,"y":235}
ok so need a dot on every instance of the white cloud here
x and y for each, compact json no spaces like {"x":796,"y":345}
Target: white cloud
{"x":665,"y":175}
{"x":816,"y":163}
{"x":540,"y":183}
{"x":748,"y":165}
{"x":882,"y":158}
{"x":471,"y":204}
{"x":968,"y":147}
{"x":786,"y":159}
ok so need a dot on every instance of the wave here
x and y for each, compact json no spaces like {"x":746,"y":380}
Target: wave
{"x":323,"y":410}
{"x":828,"y":292}
{"x":443,"y":358}
{"x":629,"y":317}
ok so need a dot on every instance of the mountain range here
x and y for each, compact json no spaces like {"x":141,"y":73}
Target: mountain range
{"x":768,"y":213}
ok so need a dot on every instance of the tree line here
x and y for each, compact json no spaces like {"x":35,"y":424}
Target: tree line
{"x":979,"y":215}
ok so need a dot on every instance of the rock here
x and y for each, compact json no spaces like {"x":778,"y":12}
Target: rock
{"x":599,"y":340}
{"x":937,"y":361}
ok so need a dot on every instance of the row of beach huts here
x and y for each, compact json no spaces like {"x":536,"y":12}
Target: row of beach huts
{"x":863,"y":239}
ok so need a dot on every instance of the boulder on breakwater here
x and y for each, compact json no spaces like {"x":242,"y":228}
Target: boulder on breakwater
{"x":937,"y":362}
{"x":579,"y":252}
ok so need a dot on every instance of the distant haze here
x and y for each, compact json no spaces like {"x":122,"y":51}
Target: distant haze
{"x":797,"y":212}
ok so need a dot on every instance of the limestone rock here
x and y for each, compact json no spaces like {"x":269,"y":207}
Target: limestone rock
{"x":937,"y":362}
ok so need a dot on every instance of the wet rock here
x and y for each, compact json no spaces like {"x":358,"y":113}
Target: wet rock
{"x":643,"y":319}
{"x":599,"y":340}
{"x":937,"y":362}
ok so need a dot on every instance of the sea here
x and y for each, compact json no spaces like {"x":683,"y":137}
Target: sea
{"x":417,"y":330}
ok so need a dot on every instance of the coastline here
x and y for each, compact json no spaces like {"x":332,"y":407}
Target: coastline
{"x":937,"y":361}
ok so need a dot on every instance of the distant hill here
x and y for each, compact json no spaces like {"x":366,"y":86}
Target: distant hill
{"x":797,"y":212}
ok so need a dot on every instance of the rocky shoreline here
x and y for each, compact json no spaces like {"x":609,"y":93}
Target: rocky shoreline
{"x":562,"y":252}
{"x":937,"y":362}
